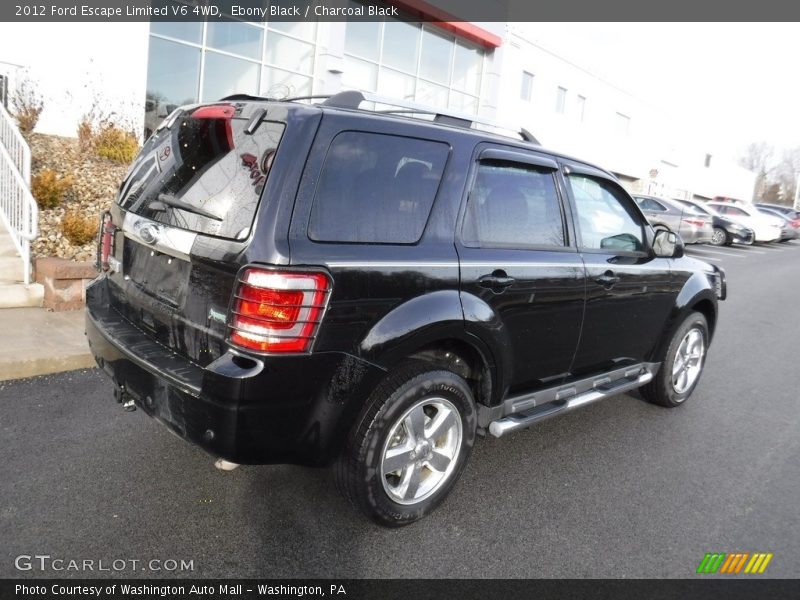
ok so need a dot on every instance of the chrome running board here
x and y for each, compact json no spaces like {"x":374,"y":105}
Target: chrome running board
{"x":524,"y":411}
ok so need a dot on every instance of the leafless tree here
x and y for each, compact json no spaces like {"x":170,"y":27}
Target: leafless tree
{"x":776,"y":178}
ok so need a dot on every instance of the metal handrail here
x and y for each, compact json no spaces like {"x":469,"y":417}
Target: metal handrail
{"x":18,"y":210}
{"x":15,"y":144}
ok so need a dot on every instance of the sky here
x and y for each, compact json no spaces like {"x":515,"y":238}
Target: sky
{"x":733,"y":83}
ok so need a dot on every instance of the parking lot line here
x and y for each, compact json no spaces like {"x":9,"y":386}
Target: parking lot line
{"x":702,"y":251}
{"x":706,"y":257}
{"x":746,"y":250}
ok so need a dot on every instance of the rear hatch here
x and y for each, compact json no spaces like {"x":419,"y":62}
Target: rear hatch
{"x":184,"y":214}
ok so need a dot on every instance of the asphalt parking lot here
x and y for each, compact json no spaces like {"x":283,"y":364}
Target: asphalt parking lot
{"x":621,"y":488}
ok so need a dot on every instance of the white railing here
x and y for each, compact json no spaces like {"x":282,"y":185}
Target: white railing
{"x":15,"y":145}
{"x":18,"y":210}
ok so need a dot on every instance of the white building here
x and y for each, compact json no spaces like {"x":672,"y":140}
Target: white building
{"x":138,"y":72}
{"x":577,"y":112}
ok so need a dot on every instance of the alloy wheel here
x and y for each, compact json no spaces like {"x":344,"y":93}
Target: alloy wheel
{"x":688,"y":361}
{"x":421,"y":451}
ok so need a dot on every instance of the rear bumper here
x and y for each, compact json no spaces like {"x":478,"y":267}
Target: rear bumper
{"x":292,"y":409}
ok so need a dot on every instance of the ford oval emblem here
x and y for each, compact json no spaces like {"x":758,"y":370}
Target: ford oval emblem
{"x":149,"y":233}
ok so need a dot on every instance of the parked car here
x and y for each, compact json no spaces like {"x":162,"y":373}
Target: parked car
{"x":789,"y":227}
{"x":325,"y":285}
{"x":792,"y":213}
{"x":767,"y":229}
{"x":726,"y":231}
{"x":694,"y":227}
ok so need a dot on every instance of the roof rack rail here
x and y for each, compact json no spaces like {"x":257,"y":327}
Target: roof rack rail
{"x":351,"y":99}
{"x":315,"y":97}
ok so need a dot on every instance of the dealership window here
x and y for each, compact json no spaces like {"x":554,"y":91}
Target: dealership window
{"x":413,"y":61}
{"x":581,"y":107}
{"x":191,"y":62}
{"x":526,"y":92}
{"x":622,"y":124}
{"x":561,"y":100}
{"x":172,"y":82}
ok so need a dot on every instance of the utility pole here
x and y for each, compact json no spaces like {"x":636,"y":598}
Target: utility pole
{"x":797,"y":192}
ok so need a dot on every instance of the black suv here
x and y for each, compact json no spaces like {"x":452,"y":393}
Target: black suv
{"x":317,"y":284}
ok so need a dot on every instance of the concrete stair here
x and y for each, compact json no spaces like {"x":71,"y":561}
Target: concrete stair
{"x":14,"y":293}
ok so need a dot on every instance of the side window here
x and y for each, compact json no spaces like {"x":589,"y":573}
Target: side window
{"x":605,"y":218}
{"x":513,"y":205}
{"x":650,"y":204}
{"x":376,"y":188}
{"x":737,"y":212}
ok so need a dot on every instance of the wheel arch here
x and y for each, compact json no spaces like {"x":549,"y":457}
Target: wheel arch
{"x":703,"y":301}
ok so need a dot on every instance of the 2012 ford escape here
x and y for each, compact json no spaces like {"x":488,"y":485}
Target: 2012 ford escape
{"x":318,"y":284}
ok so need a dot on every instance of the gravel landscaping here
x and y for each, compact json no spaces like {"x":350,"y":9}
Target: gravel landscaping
{"x":95,"y":184}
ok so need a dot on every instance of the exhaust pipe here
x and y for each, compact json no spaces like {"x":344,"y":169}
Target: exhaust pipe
{"x":224,"y":465}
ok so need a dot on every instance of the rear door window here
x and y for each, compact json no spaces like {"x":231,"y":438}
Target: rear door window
{"x":203,"y":172}
{"x":376,"y":188}
{"x":513,"y":205}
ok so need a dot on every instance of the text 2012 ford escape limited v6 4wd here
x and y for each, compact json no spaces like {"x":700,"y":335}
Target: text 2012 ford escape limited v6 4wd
{"x":318,"y":284}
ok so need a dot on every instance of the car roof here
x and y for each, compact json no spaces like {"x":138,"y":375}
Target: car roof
{"x":450,"y":125}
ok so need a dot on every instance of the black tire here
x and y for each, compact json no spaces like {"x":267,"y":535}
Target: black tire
{"x":721,"y":237}
{"x":663,"y":390}
{"x":358,"y":470}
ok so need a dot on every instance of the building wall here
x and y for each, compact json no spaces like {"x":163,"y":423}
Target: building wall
{"x":572,"y":110}
{"x":113,"y":66}
{"x":76,"y":66}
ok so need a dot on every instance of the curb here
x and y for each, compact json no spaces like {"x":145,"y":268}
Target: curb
{"x":33,"y":367}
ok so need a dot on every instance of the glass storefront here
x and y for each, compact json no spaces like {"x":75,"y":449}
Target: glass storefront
{"x":413,"y":61}
{"x":201,"y":62}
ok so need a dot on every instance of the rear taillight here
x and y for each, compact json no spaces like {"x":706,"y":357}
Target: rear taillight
{"x":694,"y":222}
{"x":278,"y":311}
{"x":105,"y":248}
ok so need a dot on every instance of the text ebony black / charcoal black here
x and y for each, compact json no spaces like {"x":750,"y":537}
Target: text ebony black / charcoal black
{"x":318,"y":284}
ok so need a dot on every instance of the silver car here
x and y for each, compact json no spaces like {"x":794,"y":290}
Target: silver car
{"x":693,"y":226}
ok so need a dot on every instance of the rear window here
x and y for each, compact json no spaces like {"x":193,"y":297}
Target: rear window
{"x":376,"y":188}
{"x":203,"y":173}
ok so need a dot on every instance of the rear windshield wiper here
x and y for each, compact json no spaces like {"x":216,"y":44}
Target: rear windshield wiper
{"x":165,"y":200}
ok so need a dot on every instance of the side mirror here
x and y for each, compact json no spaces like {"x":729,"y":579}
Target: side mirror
{"x":667,"y":244}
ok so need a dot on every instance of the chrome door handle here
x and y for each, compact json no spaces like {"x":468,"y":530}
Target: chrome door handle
{"x":607,"y":279}
{"x":496,"y":282}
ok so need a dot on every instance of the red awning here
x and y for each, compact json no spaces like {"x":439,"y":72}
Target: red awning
{"x":440,"y":18}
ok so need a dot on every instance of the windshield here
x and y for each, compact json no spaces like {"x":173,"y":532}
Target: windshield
{"x":202,"y":172}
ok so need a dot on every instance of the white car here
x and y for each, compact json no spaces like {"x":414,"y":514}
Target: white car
{"x":767,"y":229}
